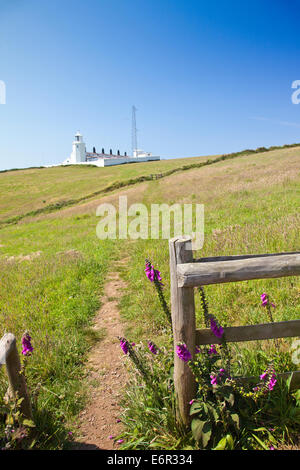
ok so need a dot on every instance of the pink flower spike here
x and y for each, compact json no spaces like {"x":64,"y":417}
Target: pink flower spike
{"x":118,"y":420}
{"x":110,"y":437}
{"x":263,"y":376}
{"x":120,"y":441}
{"x":272,"y":383}
{"x":27,"y":347}
{"x":191,"y":402}
{"x":213,"y":380}
{"x":183,"y":353}
{"x":212,"y":350}
{"x":217,"y":330}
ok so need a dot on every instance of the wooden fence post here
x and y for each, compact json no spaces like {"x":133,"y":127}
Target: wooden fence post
{"x":17,"y":383}
{"x":184,"y":325}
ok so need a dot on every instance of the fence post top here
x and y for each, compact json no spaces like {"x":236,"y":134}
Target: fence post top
{"x":182,"y":239}
{"x":7,"y":342}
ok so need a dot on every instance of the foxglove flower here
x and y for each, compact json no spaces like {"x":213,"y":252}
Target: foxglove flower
{"x":265,"y":300}
{"x":183,"y":353}
{"x":212,"y":350}
{"x":214,"y":379}
{"x":27,"y":347}
{"x":151,"y":273}
{"x":124,"y":345}
{"x":152,"y":347}
{"x":263,"y":376}
{"x":272,"y":382}
{"x":217,"y":330}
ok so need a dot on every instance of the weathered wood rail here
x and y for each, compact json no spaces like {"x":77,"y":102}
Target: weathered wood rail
{"x":187,"y":273}
{"x":17,"y":385}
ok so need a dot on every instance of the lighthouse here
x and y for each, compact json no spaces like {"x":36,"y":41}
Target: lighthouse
{"x":78,"y":154}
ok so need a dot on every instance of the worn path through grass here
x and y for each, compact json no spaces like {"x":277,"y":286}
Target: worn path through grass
{"x":99,"y":422}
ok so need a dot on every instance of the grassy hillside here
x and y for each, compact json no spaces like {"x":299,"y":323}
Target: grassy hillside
{"x":251,"y":206}
{"x":23,"y":191}
{"x":26,"y":193}
{"x":53,"y":266}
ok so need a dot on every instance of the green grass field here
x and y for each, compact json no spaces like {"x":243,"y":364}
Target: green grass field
{"x":23,"y":191}
{"x":53,"y":266}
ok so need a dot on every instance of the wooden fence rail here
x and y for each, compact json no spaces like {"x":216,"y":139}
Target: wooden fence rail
{"x":17,"y":385}
{"x":187,"y":273}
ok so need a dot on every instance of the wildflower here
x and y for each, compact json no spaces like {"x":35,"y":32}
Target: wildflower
{"x":124,"y":345}
{"x":118,"y":420}
{"x":272,"y":382}
{"x":197,"y":350}
{"x":132,"y":344}
{"x":214,"y":379}
{"x":120,"y":441}
{"x":151,"y":273}
{"x":183,"y":353}
{"x":26,"y":344}
{"x":265,"y":300}
{"x":191,"y":402}
{"x":110,"y":437}
{"x":155,"y":277}
{"x":212,"y":350}
{"x":217,"y":330}
{"x":271,"y":448}
{"x":152,"y":347}
{"x":263,"y":376}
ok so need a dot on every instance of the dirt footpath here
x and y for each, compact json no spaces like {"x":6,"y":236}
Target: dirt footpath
{"x":99,"y":424}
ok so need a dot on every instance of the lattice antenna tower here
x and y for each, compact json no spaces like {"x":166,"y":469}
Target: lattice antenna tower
{"x":134,"y":131}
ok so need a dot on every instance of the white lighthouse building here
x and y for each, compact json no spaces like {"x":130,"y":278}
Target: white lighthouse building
{"x":80,"y":156}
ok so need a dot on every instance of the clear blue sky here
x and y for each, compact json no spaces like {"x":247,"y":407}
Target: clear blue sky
{"x":206,"y":77}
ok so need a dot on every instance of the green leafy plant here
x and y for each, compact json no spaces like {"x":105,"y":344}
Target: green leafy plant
{"x":226,"y":413}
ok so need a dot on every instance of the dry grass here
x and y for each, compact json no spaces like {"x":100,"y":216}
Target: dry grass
{"x":23,"y":191}
{"x":257,"y":172}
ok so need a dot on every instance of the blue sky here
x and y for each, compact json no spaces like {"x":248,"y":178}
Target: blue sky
{"x":206,"y":77}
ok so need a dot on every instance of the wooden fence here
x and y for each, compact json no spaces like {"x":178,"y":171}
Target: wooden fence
{"x":17,"y":384}
{"x":187,"y":273}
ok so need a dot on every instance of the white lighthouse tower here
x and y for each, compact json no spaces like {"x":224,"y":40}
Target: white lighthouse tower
{"x":78,"y":154}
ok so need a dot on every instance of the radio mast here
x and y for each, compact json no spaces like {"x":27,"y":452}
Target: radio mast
{"x":134,"y":131}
